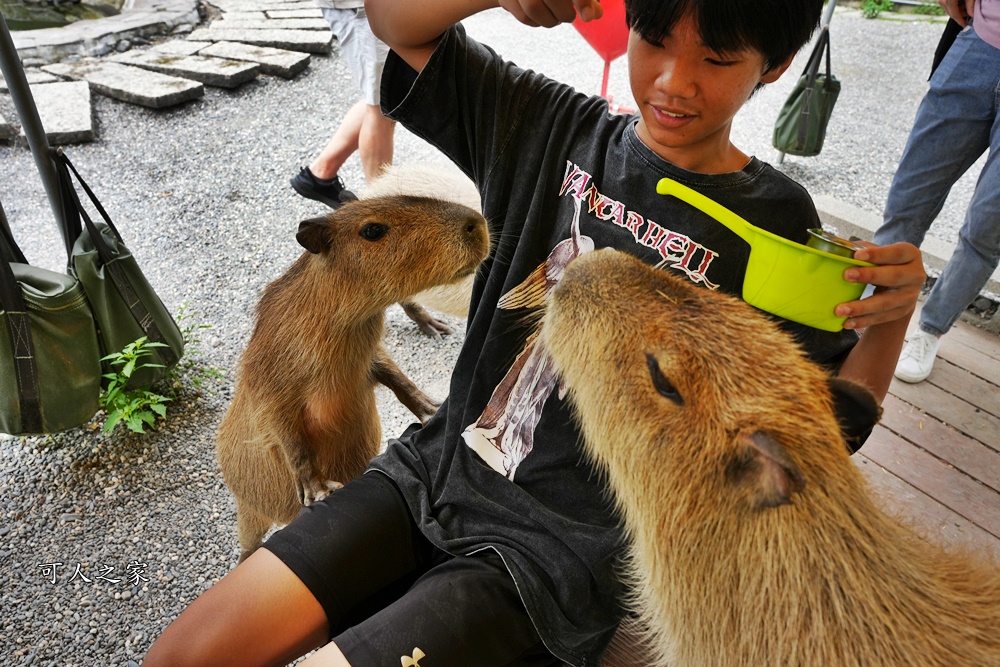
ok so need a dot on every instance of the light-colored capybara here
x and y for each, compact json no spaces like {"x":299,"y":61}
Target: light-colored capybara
{"x":303,"y":418}
{"x":441,"y":181}
{"x":753,"y":538}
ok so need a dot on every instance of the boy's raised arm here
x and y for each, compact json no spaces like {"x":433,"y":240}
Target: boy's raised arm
{"x":412,"y":28}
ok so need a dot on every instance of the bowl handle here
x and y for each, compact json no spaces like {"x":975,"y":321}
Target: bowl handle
{"x":736,"y":224}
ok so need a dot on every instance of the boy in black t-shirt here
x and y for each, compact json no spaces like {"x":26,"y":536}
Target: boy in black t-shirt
{"x":485,"y":537}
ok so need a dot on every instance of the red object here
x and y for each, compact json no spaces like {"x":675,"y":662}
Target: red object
{"x":607,"y":35}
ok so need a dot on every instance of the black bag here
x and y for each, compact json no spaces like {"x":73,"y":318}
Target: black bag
{"x":801,"y":125}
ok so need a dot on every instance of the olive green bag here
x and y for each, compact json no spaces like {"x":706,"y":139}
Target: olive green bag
{"x":802,"y":121}
{"x":50,"y":367}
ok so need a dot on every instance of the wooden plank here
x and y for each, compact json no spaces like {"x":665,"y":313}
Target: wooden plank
{"x":976,"y":361}
{"x":950,"y":409}
{"x":930,"y":518}
{"x":967,"y":386}
{"x":944,"y":442}
{"x":978,"y":339}
{"x":952,"y":488}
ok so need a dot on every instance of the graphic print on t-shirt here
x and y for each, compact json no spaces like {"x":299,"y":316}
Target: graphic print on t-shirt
{"x":677,"y":251}
{"x":504,"y":434}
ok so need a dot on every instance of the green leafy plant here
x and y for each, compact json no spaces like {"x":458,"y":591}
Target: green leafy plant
{"x":930,"y":9}
{"x":871,"y":9}
{"x":135,"y":407}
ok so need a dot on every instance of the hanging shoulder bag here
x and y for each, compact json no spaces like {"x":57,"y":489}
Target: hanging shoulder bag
{"x":124,"y":304}
{"x":802,"y":121}
{"x":50,"y":367}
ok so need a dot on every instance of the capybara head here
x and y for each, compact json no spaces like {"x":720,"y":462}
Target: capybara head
{"x":690,"y":393}
{"x":403,"y":243}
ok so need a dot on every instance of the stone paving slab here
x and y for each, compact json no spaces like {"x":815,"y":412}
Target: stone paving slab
{"x":218,"y":72}
{"x":314,"y":13}
{"x":33,"y":76}
{"x":261,"y":5}
{"x":248,"y":16}
{"x":271,"y":24}
{"x":131,"y":84}
{"x":179,"y":47}
{"x":65,"y":111}
{"x":278,"y":62}
{"x":310,"y":41}
{"x":98,"y":36}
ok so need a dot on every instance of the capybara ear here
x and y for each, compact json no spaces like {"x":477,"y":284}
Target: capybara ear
{"x":764,"y":465}
{"x":857,"y":411}
{"x":312,"y":235}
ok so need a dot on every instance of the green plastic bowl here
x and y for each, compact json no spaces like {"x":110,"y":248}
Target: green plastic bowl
{"x":788,"y":279}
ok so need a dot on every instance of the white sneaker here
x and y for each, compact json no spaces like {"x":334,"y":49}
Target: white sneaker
{"x":917,"y":358}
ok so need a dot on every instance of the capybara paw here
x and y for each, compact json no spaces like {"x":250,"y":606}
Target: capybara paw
{"x":316,"y":490}
{"x":426,"y":409}
{"x":328,"y":487}
{"x":434,"y":327}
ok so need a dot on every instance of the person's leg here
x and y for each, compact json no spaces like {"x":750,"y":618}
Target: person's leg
{"x":977,"y":254}
{"x":465,"y":610}
{"x":258,"y":614}
{"x":950,"y":132}
{"x":369,"y":53}
{"x":375,"y":145}
{"x":342,"y":144}
{"x":957,"y":121}
{"x":341,"y":560}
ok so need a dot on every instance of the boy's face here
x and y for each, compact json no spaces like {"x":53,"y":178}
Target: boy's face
{"x":687,"y":96}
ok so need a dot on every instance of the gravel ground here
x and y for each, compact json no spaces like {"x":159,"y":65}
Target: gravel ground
{"x":201,"y":195}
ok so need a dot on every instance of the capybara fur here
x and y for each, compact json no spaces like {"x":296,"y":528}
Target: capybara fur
{"x":303,"y":419}
{"x":442,"y":181}
{"x":754,"y":540}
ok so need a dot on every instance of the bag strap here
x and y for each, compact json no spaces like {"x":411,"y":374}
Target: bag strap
{"x":9,"y":250}
{"x":812,"y":65}
{"x":811,"y":72}
{"x":19,"y":330}
{"x":75,"y":210}
{"x":108,"y":256}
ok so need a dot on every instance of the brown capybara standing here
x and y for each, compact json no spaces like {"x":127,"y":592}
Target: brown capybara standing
{"x":303,"y":418}
{"x":754,"y":539}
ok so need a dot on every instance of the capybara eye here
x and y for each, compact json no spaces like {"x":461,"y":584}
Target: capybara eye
{"x":373,"y":231}
{"x":660,"y":382}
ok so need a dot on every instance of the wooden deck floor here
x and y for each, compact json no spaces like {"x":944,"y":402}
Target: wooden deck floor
{"x":935,"y":456}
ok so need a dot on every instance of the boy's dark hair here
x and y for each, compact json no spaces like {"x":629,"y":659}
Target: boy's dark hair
{"x":775,"y":28}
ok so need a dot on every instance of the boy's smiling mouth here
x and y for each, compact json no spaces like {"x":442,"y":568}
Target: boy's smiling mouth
{"x":671,"y":118}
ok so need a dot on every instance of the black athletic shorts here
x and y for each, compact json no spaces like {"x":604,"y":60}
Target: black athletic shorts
{"x":392,"y":598}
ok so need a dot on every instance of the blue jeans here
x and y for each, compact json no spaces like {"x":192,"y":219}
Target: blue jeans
{"x":957,"y":121}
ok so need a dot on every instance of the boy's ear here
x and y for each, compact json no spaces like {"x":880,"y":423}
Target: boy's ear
{"x":773,"y":74}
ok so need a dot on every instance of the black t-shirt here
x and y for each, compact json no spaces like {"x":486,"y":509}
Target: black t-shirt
{"x":500,"y":466}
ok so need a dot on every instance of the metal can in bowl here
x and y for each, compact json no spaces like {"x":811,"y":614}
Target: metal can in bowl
{"x":827,"y":242}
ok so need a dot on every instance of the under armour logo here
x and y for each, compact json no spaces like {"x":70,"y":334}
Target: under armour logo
{"x":414,"y":661}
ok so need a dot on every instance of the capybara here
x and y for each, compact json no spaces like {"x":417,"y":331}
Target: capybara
{"x":303,"y":419}
{"x":754,"y":540}
{"x":442,"y":181}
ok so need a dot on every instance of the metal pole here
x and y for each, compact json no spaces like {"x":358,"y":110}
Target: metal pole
{"x":823,"y":22}
{"x":13,"y":73}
